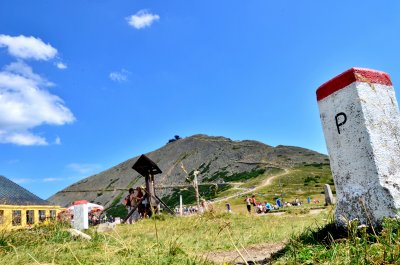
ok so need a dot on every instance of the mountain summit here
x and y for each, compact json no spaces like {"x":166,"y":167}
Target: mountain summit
{"x":218,"y":159}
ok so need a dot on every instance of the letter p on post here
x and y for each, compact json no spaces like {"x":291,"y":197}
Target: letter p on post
{"x":361,"y":124}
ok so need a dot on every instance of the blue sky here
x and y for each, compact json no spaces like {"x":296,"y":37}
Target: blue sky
{"x":85,"y":85}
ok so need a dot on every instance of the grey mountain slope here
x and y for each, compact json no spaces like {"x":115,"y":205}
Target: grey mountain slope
{"x":209,"y":154}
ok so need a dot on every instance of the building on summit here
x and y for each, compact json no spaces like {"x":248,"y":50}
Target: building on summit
{"x":20,"y":208}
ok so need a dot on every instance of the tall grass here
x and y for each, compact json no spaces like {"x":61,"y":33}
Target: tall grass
{"x":357,"y":244}
{"x":161,"y":240}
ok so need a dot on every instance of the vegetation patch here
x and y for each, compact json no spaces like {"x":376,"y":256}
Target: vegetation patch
{"x":112,"y":181}
{"x":358,"y":244}
{"x":311,"y":179}
{"x":189,"y":196}
{"x":182,"y":157}
{"x":243,"y":176}
{"x":116,"y":209}
{"x":205,"y":169}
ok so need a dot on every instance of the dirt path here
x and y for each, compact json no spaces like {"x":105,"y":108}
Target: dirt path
{"x":258,"y":254}
{"x":250,"y":190}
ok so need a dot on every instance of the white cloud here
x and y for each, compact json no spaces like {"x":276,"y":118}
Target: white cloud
{"x":52,"y":179}
{"x":26,"y":104}
{"x":57,"y":140}
{"x":61,"y":65}
{"x":119,"y":76}
{"x":142,"y":19}
{"x":23,"y":180}
{"x":22,"y":69}
{"x":23,"y":138}
{"x":84,"y":168}
{"x":27,"y":47}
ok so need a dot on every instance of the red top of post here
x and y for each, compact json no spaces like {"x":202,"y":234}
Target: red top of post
{"x":350,"y":76}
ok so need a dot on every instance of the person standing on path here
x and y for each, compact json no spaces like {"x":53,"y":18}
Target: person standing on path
{"x":248,"y":203}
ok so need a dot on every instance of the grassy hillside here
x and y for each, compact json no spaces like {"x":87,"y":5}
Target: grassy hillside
{"x":299,"y":182}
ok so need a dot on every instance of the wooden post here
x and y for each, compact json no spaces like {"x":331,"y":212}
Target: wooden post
{"x":196,"y":188}
{"x":180,"y":205}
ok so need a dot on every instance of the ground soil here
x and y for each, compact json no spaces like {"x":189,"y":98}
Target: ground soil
{"x":257,"y":254}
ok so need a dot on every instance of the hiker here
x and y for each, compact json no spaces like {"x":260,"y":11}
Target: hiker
{"x":248,"y":204}
{"x":253,"y":200}
{"x":128,"y":203}
{"x":145,"y":209}
{"x":278,"y":202}
{"x":141,"y":206}
{"x":228,"y":207}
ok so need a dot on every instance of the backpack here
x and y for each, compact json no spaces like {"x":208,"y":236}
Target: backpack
{"x":127,"y":201}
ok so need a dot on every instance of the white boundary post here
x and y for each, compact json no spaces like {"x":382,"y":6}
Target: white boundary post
{"x":180,"y":205}
{"x":361,"y":124}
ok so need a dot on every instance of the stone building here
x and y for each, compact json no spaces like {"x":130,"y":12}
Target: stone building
{"x":20,"y":208}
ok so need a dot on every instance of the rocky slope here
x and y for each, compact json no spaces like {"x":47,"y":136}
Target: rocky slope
{"x":216,"y":158}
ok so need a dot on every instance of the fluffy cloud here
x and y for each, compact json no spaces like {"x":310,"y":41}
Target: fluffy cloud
{"x":27,"y":47}
{"x":61,"y":65}
{"x":142,"y":19}
{"x":25,"y":103}
{"x":119,"y":76}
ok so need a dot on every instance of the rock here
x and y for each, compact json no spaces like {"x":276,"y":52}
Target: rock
{"x":328,"y":195}
{"x":106,"y":227}
{"x":79,"y":234}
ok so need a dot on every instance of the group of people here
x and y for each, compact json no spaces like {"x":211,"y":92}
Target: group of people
{"x":186,"y":210}
{"x":266,"y":207}
{"x":95,"y":219}
{"x":136,"y":200}
{"x":259,"y":207}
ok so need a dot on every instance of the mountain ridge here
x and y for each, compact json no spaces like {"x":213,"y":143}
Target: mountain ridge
{"x":216,"y":157}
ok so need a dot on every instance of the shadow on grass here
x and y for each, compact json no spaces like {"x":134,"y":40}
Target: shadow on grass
{"x":322,"y":236}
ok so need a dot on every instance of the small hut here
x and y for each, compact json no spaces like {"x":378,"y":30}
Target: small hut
{"x":20,"y":208}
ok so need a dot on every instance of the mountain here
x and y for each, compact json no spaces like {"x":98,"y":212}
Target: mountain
{"x":219,"y":160}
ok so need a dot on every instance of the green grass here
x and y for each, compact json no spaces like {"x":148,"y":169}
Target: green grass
{"x":300,"y":182}
{"x":269,"y":171}
{"x":188,"y":194}
{"x":310,"y":238}
{"x":356,"y":245}
{"x":165,"y":240}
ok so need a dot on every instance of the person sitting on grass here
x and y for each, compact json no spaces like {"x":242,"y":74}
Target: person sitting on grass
{"x":279,"y":203}
{"x":259,"y":208}
{"x":268,"y":207}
